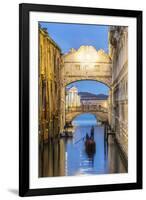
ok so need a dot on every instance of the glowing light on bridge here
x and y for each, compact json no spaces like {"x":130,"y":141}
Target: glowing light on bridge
{"x":86,"y":54}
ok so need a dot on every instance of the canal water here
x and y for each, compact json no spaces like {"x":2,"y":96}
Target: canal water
{"x":68,"y":157}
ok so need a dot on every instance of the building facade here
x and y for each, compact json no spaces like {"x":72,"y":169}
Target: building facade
{"x":98,"y":100}
{"x":49,"y":86}
{"x":118,"y":50}
{"x":72,"y":98}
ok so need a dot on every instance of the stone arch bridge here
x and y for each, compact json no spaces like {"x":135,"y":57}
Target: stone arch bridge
{"x":100,"y":113}
{"x":85,"y":63}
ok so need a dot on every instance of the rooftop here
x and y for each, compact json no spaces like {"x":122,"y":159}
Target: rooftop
{"x":87,"y":95}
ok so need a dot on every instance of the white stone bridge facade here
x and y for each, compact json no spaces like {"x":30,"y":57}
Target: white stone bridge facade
{"x":87,"y":63}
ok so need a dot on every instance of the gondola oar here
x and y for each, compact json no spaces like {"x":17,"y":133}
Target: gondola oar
{"x":79,"y":140}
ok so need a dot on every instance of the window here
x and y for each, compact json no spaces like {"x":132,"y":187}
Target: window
{"x":97,"y":67}
{"x":78,"y":67}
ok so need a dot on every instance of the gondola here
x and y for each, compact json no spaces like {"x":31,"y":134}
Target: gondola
{"x":90,"y":146}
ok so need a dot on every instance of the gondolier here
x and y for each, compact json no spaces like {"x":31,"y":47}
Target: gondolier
{"x":92,"y":132}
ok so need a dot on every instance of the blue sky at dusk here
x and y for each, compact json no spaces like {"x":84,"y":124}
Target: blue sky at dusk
{"x":90,"y":86}
{"x":69,"y":36}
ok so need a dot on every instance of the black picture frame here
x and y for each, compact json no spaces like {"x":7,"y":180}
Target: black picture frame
{"x":24,"y":10}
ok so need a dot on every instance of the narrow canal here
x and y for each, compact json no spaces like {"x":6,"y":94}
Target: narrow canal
{"x":68,"y":157}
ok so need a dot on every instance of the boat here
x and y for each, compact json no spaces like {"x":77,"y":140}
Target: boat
{"x":99,"y":123}
{"x":68,"y":131}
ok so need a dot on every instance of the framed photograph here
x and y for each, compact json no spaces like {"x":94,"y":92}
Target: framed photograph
{"x":80,"y":100}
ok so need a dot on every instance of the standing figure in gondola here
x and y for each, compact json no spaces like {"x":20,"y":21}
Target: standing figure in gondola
{"x":92,"y":132}
{"x":90,"y":145}
{"x":87,"y":136}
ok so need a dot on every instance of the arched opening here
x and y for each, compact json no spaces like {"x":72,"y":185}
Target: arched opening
{"x":86,"y":96}
{"x":85,"y":119}
{"x":89,"y":80}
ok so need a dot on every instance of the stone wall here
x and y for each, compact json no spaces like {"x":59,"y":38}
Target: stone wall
{"x":49,"y":86}
{"x":118,"y":50}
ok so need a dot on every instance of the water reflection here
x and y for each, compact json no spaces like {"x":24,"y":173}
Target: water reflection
{"x":70,"y":157}
{"x":52,"y":159}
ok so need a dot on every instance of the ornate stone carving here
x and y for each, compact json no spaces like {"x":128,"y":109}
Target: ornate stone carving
{"x":87,"y":54}
{"x":81,"y":65}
